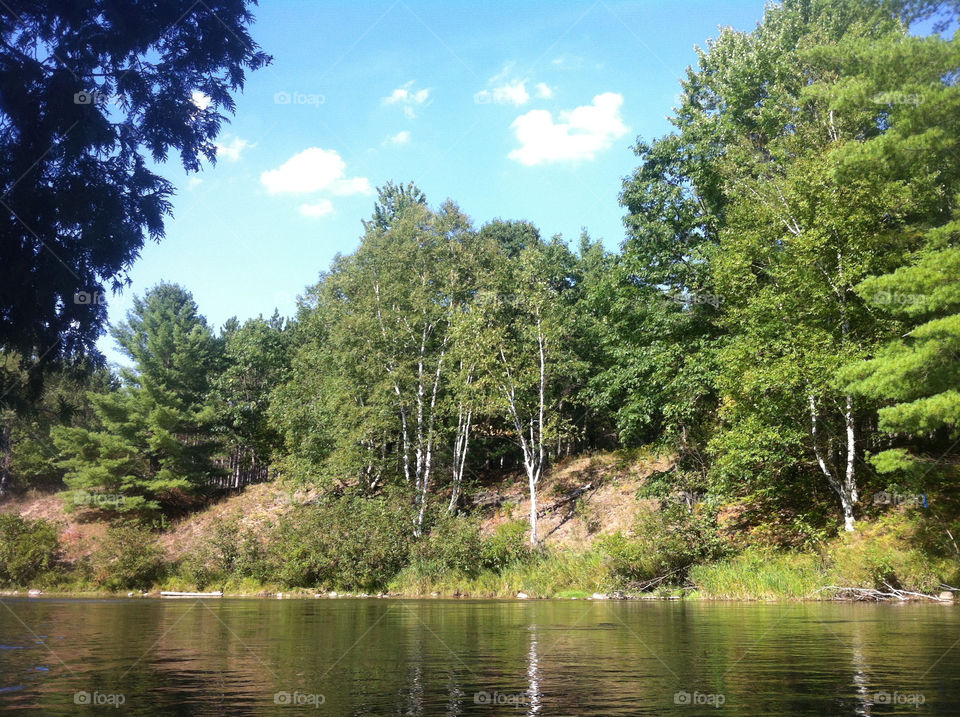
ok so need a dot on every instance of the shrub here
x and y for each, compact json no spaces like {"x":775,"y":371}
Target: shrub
{"x":128,"y":558}
{"x":884,"y":553}
{"x":29,"y":549}
{"x":663,"y":542}
{"x":230,"y":552}
{"x":454,"y":544}
{"x":352,"y":542}
{"x":508,"y":544}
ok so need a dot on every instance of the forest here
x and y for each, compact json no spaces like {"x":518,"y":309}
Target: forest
{"x":781,"y":322}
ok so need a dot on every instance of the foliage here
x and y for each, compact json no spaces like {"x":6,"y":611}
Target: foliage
{"x":78,"y":129}
{"x":663,"y":543}
{"x":156,"y":437}
{"x":128,"y":558}
{"x":29,"y":549}
{"x":348,"y":543}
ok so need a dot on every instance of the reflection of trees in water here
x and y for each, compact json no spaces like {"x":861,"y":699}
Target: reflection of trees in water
{"x":861,"y":677}
{"x":533,"y":673}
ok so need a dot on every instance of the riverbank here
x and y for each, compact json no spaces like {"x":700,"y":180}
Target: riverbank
{"x":606,"y":533}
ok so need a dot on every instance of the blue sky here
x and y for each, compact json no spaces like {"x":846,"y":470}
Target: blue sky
{"x":519,"y":111}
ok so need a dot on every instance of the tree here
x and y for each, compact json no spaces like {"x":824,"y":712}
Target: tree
{"x":917,"y":375}
{"x":520,"y":323}
{"x":255,"y":359}
{"x":377,"y":347}
{"x":156,"y":438}
{"x":88,"y":91}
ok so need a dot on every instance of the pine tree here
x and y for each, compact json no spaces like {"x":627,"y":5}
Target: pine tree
{"x":156,"y":439}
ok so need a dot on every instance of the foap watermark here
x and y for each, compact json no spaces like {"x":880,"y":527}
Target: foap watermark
{"x":897,"y":98}
{"x":89,"y":298}
{"x":94,"y":97}
{"x":883,"y":697}
{"x":687,"y":497}
{"x":711,"y":699}
{"x":99,"y":699}
{"x":513,"y":699}
{"x":298,"y":699}
{"x":695,"y":298}
{"x":298,"y":98}
{"x":98,"y":500}
{"x":910,"y":500}
{"x":895,"y":297}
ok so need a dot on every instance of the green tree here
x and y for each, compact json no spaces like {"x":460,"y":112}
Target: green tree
{"x":917,"y":375}
{"x":255,"y":360}
{"x":88,"y":91}
{"x":156,"y":438}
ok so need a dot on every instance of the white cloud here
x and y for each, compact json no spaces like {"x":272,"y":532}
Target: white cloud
{"x":354,"y":185}
{"x":579,"y":134}
{"x":543,"y":90}
{"x":506,"y":88}
{"x":402,"y":137}
{"x":231,"y":149}
{"x":514,"y":94}
{"x":317,"y":209}
{"x":314,"y":170}
{"x":408,"y":98}
{"x":200,"y":99}
{"x":194,"y":182}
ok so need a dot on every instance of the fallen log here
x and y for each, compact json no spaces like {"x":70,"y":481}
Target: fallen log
{"x":568,"y":498}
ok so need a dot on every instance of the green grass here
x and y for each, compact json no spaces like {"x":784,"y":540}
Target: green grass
{"x":554,"y":574}
{"x":760,"y":575}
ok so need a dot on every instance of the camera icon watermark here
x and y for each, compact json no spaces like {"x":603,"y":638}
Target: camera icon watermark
{"x":685,"y":698}
{"x":298,"y":699}
{"x":909,"y":500}
{"x":89,"y":298}
{"x":298,"y":98}
{"x":888,"y":297}
{"x":883,"y":697}
{"x":515,"y":699}
{"x":98,"y":500}
{"x":93,"y":97}
{"x":99,"y":699}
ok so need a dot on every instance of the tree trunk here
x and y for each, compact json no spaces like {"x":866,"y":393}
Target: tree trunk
{"x":6,"y":457}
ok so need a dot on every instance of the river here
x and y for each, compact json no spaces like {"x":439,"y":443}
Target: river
{"x":473,"y":657}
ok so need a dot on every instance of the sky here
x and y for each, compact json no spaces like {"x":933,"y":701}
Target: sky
{"x":513,"y":110}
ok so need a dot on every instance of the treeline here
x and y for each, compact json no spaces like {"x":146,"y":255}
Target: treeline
{"x":784,"y":314}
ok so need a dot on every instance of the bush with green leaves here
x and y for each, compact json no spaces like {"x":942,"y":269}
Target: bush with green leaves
{"x":128,"y":558}
{"x":664,"y":542}
{"x":230,"y":552}
{"x":454,"y":544}
{"x":352,"y":543}
{"x":29,"y":549}
{"x":508,"y":544}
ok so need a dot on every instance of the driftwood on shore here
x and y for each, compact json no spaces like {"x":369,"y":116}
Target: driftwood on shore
{"x":875,"y":595}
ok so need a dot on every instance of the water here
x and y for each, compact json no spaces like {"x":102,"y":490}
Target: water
{"x":461,"y":657}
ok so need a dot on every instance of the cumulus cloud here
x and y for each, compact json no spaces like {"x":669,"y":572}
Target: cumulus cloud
{"x":408,"y":98}
{"x":543,"y":90}
{"x":507,"y":88}
{"x":510,"y":93}
{"x":231,"y":148}
{"x":398,"y":138}
{"x":314,"y":170}
{"x":316,"y":209}
{"x":578,"y":134}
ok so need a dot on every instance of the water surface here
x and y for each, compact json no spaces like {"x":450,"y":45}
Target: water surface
{"x":462,"y":657}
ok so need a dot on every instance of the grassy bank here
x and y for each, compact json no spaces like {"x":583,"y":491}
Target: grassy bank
{"x":613,"y":540}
